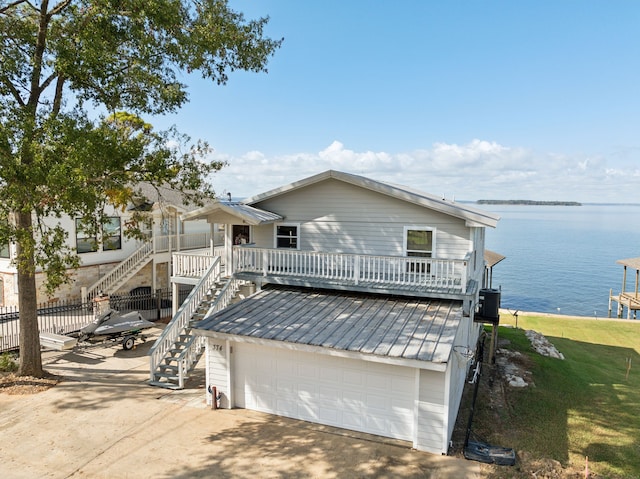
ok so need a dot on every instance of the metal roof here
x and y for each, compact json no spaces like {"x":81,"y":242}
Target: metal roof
{"x":249,"y":214}
{"x":395,"y":327}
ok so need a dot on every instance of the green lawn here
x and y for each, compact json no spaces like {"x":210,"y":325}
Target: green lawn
{"x":582,"y":406}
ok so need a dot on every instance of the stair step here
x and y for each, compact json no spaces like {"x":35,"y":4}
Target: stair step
{"x":168,"y":376}
{"x":164,"y":385}
{"x":164,"y":367}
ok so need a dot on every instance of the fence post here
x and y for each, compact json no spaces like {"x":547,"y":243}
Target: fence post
{"x":158,"y":303}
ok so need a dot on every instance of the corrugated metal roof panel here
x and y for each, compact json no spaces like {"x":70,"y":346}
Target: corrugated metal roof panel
{"x":390,"y":326}
{"x":249,"y":214}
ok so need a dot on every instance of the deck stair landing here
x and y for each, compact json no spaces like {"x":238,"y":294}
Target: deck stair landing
{"x":177,"y":351}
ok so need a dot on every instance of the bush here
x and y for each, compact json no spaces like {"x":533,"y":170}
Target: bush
{"x":7,"y":363}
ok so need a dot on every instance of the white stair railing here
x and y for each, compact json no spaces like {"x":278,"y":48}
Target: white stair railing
{"x":191,"y":352}
{"x":116,"y":275}
{"x":180,"y":320}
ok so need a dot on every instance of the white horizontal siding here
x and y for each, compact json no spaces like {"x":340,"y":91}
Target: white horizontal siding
{"x":218,"y":370}
{"x":431,"y":412}
{"x":339,"y":217}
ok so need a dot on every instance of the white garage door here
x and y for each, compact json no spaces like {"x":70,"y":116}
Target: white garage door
{"x":347,"y":393}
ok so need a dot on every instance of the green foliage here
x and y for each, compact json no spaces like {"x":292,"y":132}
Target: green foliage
{"x":76,"y":77}
{"x":7,"y":363}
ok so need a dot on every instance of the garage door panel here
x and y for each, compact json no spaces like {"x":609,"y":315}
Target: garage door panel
{"x":378,"y":381}
{"x":331,"y":374}
{"x":349,"y":393}
{"x":355,"y":421}
{"x":307,"y":369}
{"x":378,"y":402}
{"x":353,"y":377}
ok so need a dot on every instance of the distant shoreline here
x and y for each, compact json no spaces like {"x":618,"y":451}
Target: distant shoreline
{"x":507,"y":312}
{"x":529,"y":202}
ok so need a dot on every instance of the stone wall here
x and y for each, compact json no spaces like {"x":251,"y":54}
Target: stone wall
{"x":84,"y":276}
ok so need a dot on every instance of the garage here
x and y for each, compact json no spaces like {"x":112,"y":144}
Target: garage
{"x":348,"y":393}
{"x":368,"y":363}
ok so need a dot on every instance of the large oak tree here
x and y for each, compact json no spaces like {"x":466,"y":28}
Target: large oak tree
{"x":76,"y":79}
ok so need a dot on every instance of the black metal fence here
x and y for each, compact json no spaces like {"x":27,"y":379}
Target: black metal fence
{"x":67,"y":317}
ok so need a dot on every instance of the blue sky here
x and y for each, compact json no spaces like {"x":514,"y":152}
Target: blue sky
{"x":466,"y":99}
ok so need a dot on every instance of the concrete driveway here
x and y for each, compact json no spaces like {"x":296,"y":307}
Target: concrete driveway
{"x":103,"y":421}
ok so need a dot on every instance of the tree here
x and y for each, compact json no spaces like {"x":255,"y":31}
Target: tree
{"x":76,"y":77}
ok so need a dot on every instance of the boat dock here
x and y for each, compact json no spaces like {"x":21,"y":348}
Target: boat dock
{"x":627,"y":299}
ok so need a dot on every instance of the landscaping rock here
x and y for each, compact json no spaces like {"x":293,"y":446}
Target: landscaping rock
{"x":542,"y":345}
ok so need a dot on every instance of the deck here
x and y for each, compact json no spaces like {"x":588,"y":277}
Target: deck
{"x":631,"y":301}
{"x":399,"y":275}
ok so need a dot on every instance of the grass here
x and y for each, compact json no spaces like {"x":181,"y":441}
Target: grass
{"x":585,"y":406}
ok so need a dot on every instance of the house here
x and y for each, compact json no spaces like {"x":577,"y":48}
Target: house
{"x":358,"y":309}
{"x":119,"y":264}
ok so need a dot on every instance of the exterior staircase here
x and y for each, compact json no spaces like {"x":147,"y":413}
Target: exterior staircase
{"x":119,"y":275}
{"x":177,"y":351}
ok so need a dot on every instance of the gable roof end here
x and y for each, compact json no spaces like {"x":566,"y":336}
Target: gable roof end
{"x":472,"y":216}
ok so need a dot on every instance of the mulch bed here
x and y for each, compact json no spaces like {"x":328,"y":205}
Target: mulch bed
{"x":12,"y":384}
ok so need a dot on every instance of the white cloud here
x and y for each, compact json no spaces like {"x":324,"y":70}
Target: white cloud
{"x":479,"y":169}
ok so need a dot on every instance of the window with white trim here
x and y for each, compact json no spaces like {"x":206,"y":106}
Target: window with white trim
{"x":419,"y":241}
{"x":287,"y":235}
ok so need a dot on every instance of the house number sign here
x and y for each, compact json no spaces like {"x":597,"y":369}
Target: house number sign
{"x":216,"y":347}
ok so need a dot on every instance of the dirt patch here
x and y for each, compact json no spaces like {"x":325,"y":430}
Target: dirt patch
{"x":12,"y":384}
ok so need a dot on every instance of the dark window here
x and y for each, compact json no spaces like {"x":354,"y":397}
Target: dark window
{"x":287,"y":236}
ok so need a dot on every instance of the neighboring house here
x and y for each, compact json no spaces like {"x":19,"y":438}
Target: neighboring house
{"x":363,"y":310}
{"x":118,"y":264}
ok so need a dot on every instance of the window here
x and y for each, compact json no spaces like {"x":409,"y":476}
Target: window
{"x":111,"y":237}
{"x":84,"y":242}
{"x":287,"y":236}
{"x":4,"y":251}
{"x":418,"y":241}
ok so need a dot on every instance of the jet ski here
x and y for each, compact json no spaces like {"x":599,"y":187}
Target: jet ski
{"x":111,"y":325}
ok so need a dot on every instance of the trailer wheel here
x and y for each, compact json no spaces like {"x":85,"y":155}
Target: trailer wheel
{"x":128,"y":342}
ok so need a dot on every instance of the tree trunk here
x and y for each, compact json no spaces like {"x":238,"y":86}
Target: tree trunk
{"x":30,"y":357}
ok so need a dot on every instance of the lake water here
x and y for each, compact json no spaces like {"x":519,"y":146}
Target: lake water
{"x":562,"y":259}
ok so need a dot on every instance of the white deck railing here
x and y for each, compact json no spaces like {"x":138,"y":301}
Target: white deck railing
{"x":358,"y":269}
{"x":193,"y":265}
{"x":185,"y":241}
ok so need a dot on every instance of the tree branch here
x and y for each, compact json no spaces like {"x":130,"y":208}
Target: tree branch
{"x":14,"y":4}
{"x":38,"y":56}
{"x":57,"y":99}
{"x":58,"y":8}
{"x":13,"y":90}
